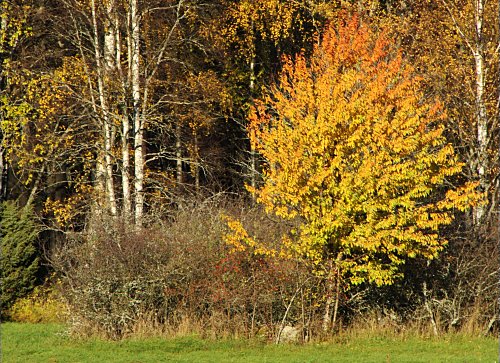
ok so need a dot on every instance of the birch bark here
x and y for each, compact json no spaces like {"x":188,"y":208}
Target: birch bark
{"x":476,"y":44}
{"x":481,"y":113}
{"x":127,"y":198}
{"x":138,"y":122}
{"x":107,"y":168}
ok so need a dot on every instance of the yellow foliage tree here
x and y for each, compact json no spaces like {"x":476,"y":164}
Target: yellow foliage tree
{"x":356,"y":153}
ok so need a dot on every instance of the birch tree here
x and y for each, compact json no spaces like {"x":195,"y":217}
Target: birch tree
{"x":475,"y":38}
{"x":123,"y":88}
{"x":461,"y":69}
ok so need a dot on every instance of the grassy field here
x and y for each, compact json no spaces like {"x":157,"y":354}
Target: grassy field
{"x":47,"y":343}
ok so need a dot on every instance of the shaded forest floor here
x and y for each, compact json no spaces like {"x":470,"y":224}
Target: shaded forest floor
{"x":49,"y":343}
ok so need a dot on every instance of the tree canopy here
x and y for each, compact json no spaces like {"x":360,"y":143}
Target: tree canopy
{"x":356,"y":152}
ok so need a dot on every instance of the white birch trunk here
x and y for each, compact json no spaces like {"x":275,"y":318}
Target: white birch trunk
{"x":110,"y":44}
{"x":178,"y":153}
{"x":108,"y":166}
{"x":127,"y":199}
{"x":125,"y":170}
{"x":138,"y":123}
{"x":481,"y":113}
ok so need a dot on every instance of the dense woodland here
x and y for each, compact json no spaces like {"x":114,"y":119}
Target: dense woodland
{"x":251,"y":168}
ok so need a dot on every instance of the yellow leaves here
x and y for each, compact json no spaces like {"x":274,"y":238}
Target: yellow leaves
{"x":13,"y":19}
{"x":353,"y":151}
{"x":463,"y":198}
{"x":246,"y":23}
{"x":41,"y":136}
{"x":66,"y":210}
{"x":239,"y":240}
{"x":30,"y":128}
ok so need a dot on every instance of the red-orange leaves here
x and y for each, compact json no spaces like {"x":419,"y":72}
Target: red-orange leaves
{"x":355,"y":150}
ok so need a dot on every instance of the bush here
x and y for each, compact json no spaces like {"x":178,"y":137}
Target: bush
{"x":42,"y":305}
{"x":177,"y":277}
{"x":19,"y":260}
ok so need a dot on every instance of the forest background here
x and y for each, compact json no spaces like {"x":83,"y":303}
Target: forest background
{"x":172,"y":165}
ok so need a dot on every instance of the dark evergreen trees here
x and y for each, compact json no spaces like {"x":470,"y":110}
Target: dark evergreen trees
{"x":19,"y":260}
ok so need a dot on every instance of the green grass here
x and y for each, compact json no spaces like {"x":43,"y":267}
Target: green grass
{"x":47,"y":343}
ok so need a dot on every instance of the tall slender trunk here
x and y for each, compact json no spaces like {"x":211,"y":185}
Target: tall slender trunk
{"x":138,"y":122}
{"x":109,"y":73}
{"x":125,"y":170}
{"x":481,"y":113}
{"x":110,"y":44}
{"x":196,"y":163}
{"x":3,"y":175}
{"x":178,"y":152}
{"x":108,"y":166}
{"x":253,"y":152}
{"x":3,"y":161}
{"x":127,"y":199}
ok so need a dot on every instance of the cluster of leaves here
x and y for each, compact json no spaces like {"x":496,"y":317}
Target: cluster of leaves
{"x":42,"y":305}
{"x":358,"y":155}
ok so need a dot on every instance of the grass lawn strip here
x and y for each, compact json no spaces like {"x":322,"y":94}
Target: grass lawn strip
{"x":47,"y":343}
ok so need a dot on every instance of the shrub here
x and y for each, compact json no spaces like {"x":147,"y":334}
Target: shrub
{"x":177,"y":277}
{"x":42,"y":305}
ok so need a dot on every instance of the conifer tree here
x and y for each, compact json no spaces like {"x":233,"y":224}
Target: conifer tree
{"x":19,"y":260}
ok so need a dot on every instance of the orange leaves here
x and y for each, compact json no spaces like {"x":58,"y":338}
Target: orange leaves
{"x":356,"y":153}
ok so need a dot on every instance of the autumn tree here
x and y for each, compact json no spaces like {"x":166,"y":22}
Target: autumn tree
{"x":356,"y":153}
{"x":253,"y":35}
{"x":12,"y":30}
{"x":38,"y":134}
{"x":453,"y":44}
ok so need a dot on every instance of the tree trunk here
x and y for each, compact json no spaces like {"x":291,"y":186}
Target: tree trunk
{"x":253,"y":152}
{"x":108,"y":167}
{"x":127,"y":199}
{"x":196,"y":163}
{"x":36,"y":184}
{"x":110,"y":44}
{"x":333,"y":294}
{"x":328,"y":306}
{"x":337,"y":299}
{"x":178,"y":153}
{"x":138,"y":122}
{"x":481,"y":114}
{"x":3,"y":175}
